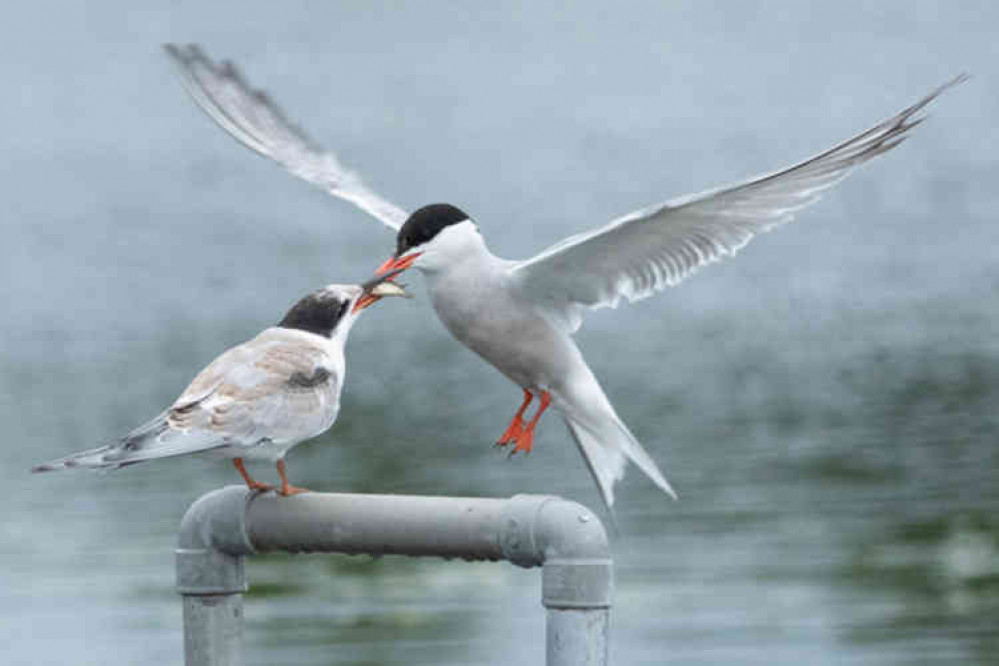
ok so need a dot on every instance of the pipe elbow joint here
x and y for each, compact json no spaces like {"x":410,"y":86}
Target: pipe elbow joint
{"x":569,"y":542}
{"x":212,"y":542}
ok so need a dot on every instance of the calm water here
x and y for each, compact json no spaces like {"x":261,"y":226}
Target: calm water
{"x":825,"y":403}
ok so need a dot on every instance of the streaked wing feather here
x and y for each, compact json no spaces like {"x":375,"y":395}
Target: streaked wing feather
{"x":253,"y":119}
{"x":288,"y":392}
{"x":656,"y":247}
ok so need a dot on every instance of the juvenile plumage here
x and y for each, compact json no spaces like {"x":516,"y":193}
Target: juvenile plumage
{"x":258,"y":399}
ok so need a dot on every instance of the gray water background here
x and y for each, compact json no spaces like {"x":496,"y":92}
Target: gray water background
{"x":826,"y":404}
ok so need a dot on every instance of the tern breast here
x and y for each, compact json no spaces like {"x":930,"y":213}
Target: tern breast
{"x":477,"y":306}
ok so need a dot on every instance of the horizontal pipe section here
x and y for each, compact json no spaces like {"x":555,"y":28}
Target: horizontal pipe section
{"x":527,"y":530}
{"x":378,"y":525}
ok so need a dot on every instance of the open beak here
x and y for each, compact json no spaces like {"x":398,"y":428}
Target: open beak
{"x":398,"y":264}
{"x":378,"y":288}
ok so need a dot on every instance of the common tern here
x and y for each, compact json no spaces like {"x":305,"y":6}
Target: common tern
{"x":258,"y":399}
{"x":520,"y":315}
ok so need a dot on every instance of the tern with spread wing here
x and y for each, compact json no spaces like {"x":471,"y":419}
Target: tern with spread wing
{"x":520,"y":315}
{"x":258,"y":399}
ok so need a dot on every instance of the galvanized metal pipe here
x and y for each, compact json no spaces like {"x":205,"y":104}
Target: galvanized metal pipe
{"x":562,"y":537}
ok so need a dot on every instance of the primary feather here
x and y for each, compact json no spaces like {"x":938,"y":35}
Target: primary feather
{"x":253,"y":119}
{"x":658,"y":246}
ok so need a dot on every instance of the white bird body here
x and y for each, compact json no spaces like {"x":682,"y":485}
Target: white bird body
{"x":519,"y":315}
{"x":258,"y":399}
{"x":470,"y":290}
{"x":479,"y":299}
{"x":248,"y":394}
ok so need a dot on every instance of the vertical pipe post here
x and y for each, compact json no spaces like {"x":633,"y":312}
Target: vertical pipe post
{"x":576,"y":589}
{"x":213,"y":629}
{"x":211,"y":578}
{"x":576,"y":637}
{"x":570,"y":544}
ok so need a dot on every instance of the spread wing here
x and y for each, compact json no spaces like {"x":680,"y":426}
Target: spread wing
{"x":656,"y":247}
{"x":253,"y":119}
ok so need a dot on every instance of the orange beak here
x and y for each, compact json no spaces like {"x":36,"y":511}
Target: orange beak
{"x":378,"y":288}
{"x":364,"y":301}
{"x":398,"y":264}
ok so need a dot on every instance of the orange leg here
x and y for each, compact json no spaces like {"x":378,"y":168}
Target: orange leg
{"x":526,"y":438}
{"x":286,"y":488}
{"x":516,"y":427}
{"x":250,"y":483}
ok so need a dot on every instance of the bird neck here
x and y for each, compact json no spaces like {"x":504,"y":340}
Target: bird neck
{"x":456,"y":250}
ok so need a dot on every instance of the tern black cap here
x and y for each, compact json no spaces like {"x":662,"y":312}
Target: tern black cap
{"x":318,"y":313}
{"x":425,"y":224}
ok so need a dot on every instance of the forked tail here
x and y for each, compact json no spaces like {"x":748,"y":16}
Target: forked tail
{"x":605,"y":442}
{"x":143,"y":443}
{"x":605,"y":447}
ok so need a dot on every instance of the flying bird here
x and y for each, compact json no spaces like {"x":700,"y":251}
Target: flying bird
{"x":258,"y":399}
{"x":520,"y":315}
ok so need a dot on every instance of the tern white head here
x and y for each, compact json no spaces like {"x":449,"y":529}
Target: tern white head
{"x":258,"y":399}
{"x":520,"y":315}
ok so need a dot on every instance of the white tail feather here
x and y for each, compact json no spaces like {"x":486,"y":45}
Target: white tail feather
{"x":605,"y":442}
{"x":155,"y":439}
{"x":606,"y":446}
{"x":606,"y":464}
{"x":92,"y":458}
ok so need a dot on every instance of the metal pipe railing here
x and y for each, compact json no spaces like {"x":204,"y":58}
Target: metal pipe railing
{"x":562,"y":537}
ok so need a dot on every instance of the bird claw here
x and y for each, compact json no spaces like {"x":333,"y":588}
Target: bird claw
{"x":512,"y":434}
{"x":524,"y":443}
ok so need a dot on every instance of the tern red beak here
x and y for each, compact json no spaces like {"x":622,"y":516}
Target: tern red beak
{"x":398,"y":264}
{"x":378,"y":288}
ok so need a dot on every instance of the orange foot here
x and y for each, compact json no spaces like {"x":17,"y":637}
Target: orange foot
{"x":516,"y":428}
{"x":525,"y":440}
{"x":250,"y":483}
{"x":287,"y":490}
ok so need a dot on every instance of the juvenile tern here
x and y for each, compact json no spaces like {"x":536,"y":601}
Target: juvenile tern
{"x":258,"y":399}
{"x":520,"y":315}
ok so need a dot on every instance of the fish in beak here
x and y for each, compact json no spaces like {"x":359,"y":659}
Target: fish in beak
{"x":379,"y":287}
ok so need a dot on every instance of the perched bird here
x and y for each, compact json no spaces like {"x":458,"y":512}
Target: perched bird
{"x":258,"y":399}
{"x":520,"y":315}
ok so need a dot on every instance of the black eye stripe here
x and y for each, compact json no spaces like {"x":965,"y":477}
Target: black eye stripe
{"x":341,"y":312}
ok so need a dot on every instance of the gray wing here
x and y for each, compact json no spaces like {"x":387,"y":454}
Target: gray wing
{"x":253,"y":119}
{"x":154,"y":439}
{"x":287,"y":392}
{"x":656,"y":247}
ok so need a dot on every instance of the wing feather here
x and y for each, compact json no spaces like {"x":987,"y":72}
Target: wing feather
{"x":658,"y":246}
{"x":253,"y":119}
{"x":285,"y":391}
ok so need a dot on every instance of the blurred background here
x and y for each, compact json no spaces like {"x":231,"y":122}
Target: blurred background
{"x":827,"y":404}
